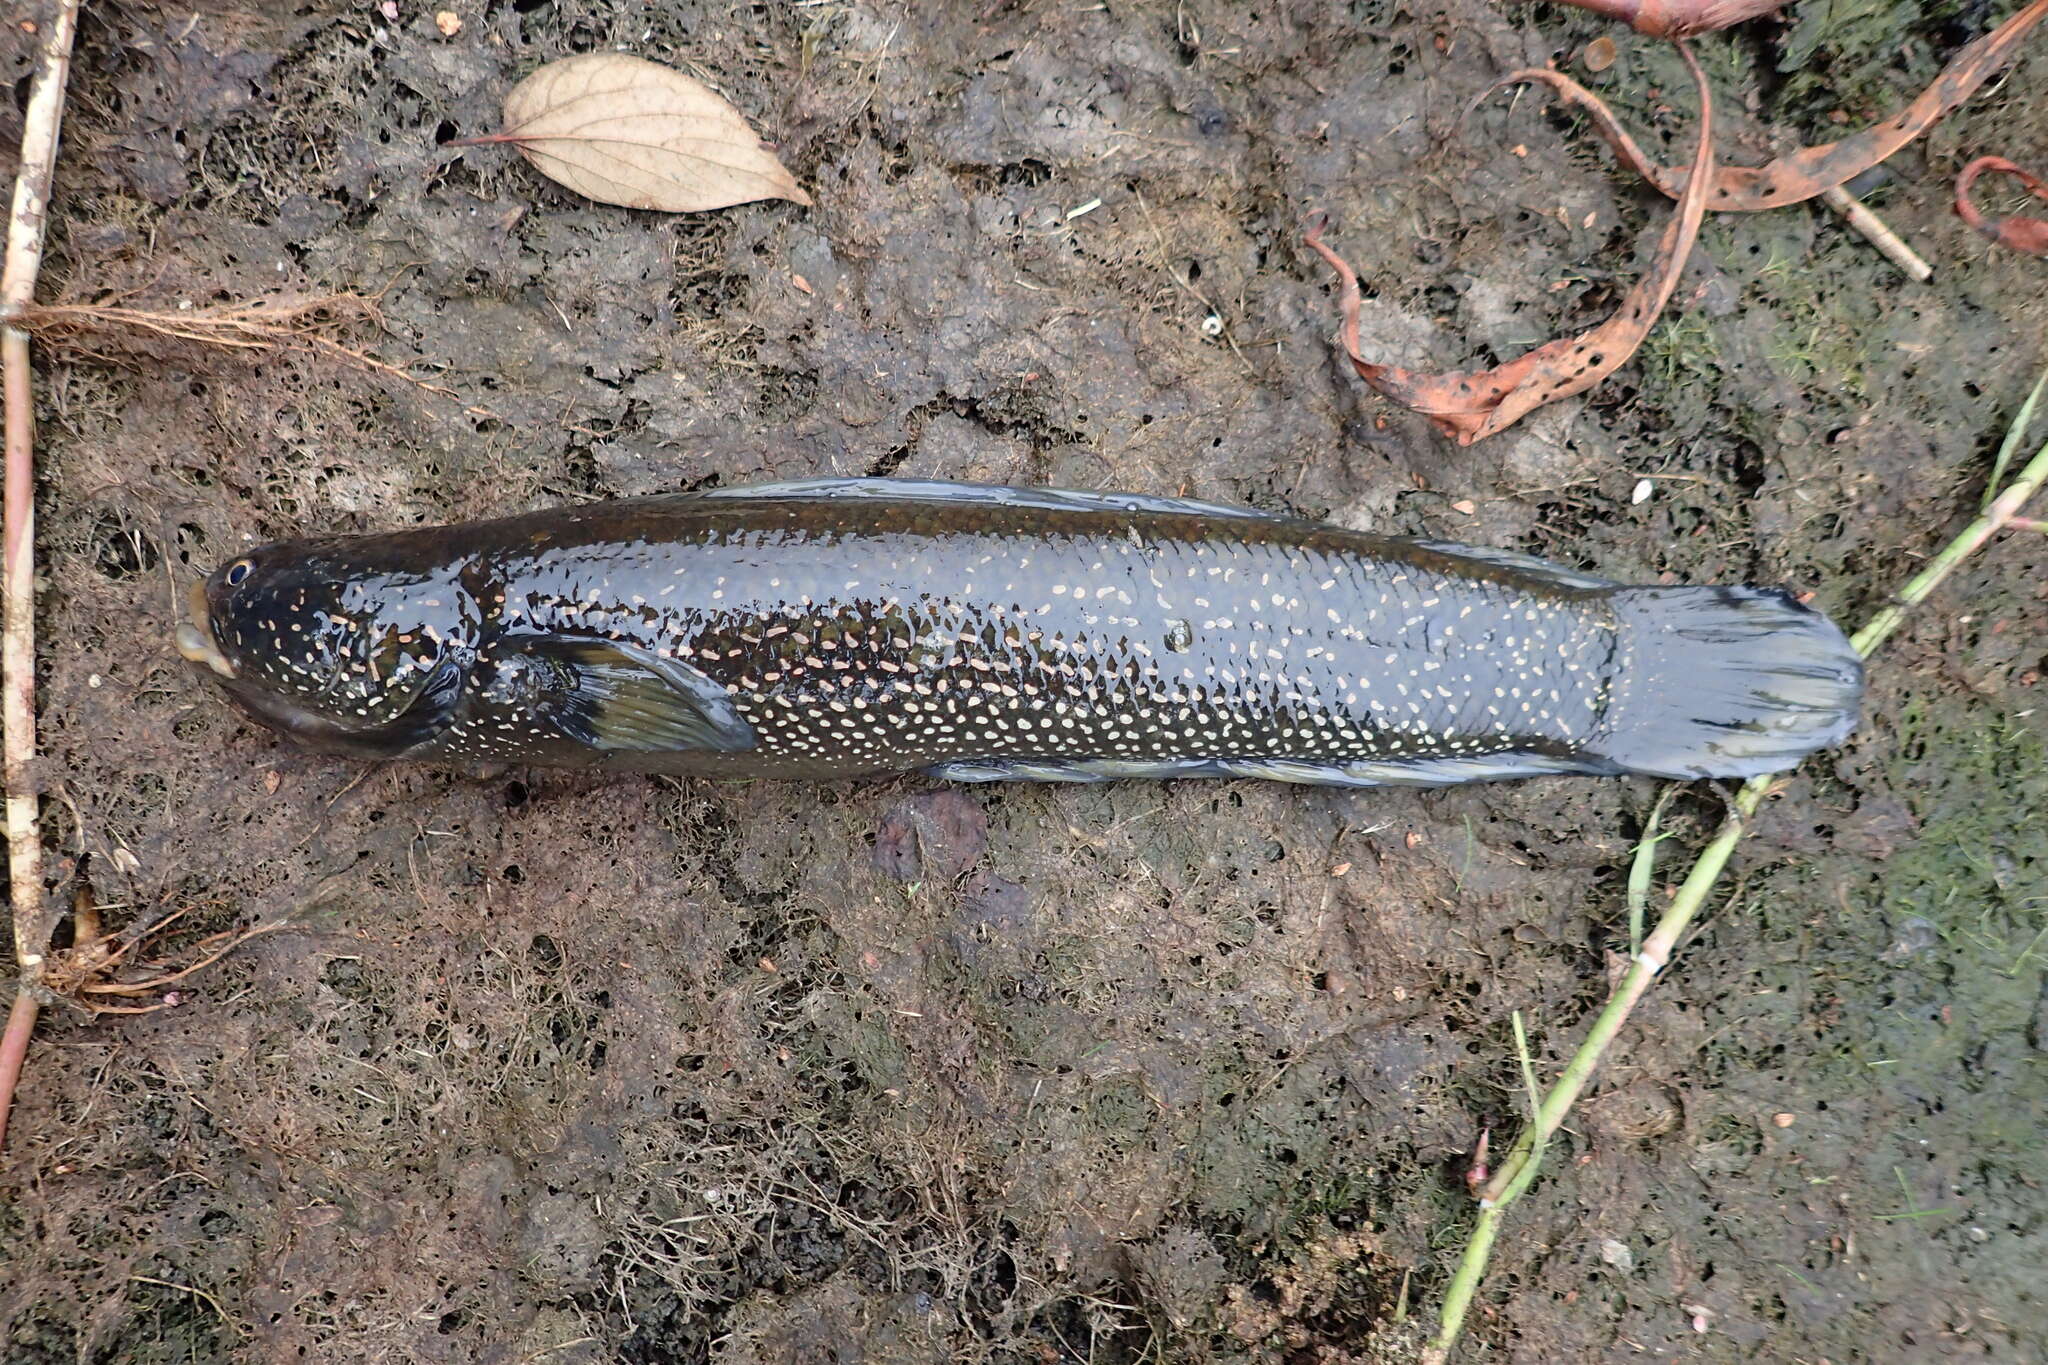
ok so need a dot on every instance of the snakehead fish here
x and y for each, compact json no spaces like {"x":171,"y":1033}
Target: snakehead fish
{"x":845,"y":627}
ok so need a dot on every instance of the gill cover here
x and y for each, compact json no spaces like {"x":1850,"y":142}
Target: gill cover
{"x":346,"y":656}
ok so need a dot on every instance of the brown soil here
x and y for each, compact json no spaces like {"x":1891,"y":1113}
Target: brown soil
{"x":553,"y":1069}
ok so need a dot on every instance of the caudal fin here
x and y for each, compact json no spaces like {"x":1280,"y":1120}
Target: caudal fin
{"x":1727,"y":682}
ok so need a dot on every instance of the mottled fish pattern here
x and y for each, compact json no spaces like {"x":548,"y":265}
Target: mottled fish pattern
{"x":848,"y":627}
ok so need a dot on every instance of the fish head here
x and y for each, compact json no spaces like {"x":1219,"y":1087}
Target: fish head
{"x":322,"y":642}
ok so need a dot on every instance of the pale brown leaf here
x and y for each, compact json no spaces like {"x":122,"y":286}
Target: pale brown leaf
{"x":623,"y":130}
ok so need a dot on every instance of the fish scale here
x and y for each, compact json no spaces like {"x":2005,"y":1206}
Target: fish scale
{"x":854,"y":627}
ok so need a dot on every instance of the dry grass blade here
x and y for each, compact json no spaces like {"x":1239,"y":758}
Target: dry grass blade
{"x":2020,"y":233}
{"x":623,"y":130}
{"x":1470,"y":407}
{"x":1805,"y":173}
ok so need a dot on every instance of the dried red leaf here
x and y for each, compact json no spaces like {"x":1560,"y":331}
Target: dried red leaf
{"x":1811,"y":170}
{"x":1679,"y":18}
{"x":2021,"y":234}
{"x":1469,"y":407}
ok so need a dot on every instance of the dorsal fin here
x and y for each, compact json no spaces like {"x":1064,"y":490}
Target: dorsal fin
{"x":984,"y":495}
{"x":1528,"y":565}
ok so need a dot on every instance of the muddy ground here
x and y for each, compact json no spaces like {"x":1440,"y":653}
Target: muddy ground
{"x":553,"y":1069}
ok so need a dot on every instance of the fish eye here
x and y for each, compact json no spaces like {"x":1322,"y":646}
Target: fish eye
{"x":237,"y":571}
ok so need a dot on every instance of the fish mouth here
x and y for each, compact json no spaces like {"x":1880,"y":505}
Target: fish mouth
{"x":194,"y":636}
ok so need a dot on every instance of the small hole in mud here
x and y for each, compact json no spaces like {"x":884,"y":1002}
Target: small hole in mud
{"x":514,"y":873}
{"x":515,"y":795}
{"x":444,"y":131}
{"x":124,"y":554}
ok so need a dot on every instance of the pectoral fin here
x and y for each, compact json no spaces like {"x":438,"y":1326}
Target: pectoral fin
{"x":621,"y":697}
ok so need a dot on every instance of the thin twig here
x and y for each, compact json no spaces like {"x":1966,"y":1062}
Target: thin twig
{"x":32,"y":927}
{"x":1859,"y":216}
{"x":1518,"y":1169}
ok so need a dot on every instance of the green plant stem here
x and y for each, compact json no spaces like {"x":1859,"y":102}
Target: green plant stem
{"x":1642,"y":869}
{"x":2008,"y":447}
{"x":1528,"y":1065}
{"x":1519,"y":1167}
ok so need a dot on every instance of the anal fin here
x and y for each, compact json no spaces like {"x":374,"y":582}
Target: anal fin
{"x":1439,"y":771}
{"x":1071,"y":769}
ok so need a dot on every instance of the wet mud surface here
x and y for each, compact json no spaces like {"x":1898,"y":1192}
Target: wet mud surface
{"x":554,"y":1069}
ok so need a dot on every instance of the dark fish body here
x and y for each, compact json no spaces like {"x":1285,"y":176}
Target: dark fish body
{"x":852,"y":627}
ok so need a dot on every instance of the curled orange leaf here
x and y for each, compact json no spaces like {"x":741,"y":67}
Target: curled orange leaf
{"x":1470,"y":407}
{"x":2021,"y":234}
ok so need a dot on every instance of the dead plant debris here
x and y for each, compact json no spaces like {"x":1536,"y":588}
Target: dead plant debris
{"x":1805,"y":173}
{"x":1470,"y":407}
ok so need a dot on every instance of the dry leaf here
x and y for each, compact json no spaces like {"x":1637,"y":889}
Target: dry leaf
{"x":2021,"y":234}
{"x":1811,"y":170}
{"x":1468,"y":407}
{"x":623,"y":130}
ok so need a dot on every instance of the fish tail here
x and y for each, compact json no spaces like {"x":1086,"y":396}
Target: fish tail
{"x":1727,"y":682}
